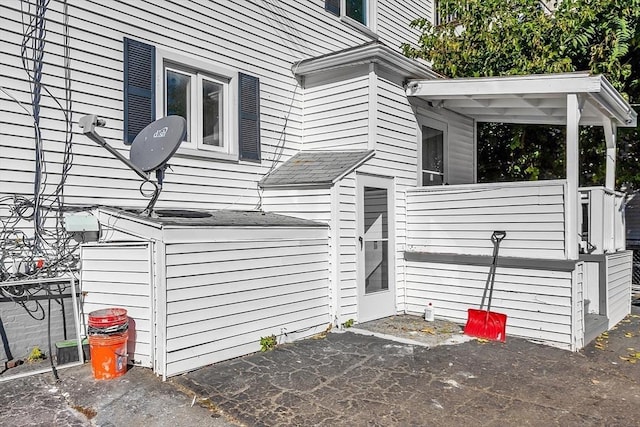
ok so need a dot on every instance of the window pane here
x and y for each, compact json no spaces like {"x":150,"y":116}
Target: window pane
{"x":430,"y":178}
{"x":212,"y":113}
{"x":332,"y":6}
{"x":179,"y":96}
{"x":357,"y":9}
{"x":432,"y":150}
{"x":376,"y":255}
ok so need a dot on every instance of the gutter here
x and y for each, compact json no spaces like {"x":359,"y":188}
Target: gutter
{"x":609,"y":98}
{"x":373,"y":52}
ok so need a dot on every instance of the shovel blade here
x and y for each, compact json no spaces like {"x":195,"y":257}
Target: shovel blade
{"x":486,"y":324}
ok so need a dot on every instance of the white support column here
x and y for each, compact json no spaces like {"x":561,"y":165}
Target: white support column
{"x":610,"y":138}
{"x":573,"y":197}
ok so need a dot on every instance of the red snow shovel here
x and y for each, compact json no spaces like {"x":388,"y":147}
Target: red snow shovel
{"x":484,"y":323}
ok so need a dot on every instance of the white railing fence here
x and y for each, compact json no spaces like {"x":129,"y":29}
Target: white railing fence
{"x":603,"y":229}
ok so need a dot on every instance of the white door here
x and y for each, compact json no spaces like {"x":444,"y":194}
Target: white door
{"x":376,"y":248}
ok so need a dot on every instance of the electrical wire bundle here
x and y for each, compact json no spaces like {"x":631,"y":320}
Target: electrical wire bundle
{"x":33,"y":240}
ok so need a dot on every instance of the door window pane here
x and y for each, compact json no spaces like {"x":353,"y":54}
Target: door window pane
{"x":179,"y":96}
{"x":375,"y":213}
{"x":376,"y":266}
{"x":212,"y":113}
{"x":376,"y":235}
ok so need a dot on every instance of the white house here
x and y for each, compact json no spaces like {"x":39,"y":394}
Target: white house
{"x":316,"y":155}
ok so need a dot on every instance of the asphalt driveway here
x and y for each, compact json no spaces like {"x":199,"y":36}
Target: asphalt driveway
{"x":355,"y":380}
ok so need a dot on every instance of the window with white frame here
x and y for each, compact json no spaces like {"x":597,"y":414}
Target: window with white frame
{"x":203,"y":100}
{"x":221,"y":106}
{"x":431,"y":159}
{"x":360,"y":11}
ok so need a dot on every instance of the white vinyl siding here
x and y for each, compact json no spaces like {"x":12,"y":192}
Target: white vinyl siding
{"x":347,"y":248}
{"x":578,"y":297}
{"x":248,"y":37}
{"x":618,"y":276}
{"x":307,"y":203}
{"x":395,"y":133}
{"x":336,"y":113}
{"x":461,"y":149}
{"x":537,"y":302}
{"x":540,"y":303}
{"x":223,"y":296}
{"x":394,"y":18}
{"x":459,"y":219}
{"x":119,"y":275}
{"x":219,"y":289}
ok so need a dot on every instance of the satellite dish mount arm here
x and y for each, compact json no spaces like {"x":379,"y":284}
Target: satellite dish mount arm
{"x":88,"y":124}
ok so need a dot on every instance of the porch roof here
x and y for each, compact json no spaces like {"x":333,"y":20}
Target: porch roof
{"x":531,"y":99}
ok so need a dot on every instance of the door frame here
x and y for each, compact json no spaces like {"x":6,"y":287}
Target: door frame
{"x":385,"y":301}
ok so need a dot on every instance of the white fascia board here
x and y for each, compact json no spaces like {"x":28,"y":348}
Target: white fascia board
{"x":610,"y":100}
{"x":601,"y":93}
{"x":355,"y":166}
{"x":365,"y":54}
{"x":505,"y":85}
{"x":531,"y":120}
{"x":131,"y":224}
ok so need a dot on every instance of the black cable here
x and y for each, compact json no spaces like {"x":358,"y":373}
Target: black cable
{"x":64,"y":314}
{"x":53,"y":368}
{"x":49,"y":251}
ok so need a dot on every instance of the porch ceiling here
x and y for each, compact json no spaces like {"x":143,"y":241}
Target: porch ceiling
{"x":532,"y":99}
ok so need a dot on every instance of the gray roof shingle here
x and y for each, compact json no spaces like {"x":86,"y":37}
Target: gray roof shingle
{"x":316,"y":168}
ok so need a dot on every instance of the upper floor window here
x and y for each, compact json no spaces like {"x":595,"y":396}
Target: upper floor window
{"x":360,"y":11}
{"x":203,"y":101}
{"x":221,"y":106}
{"x":357,"y":10}
{"x":431,"y":159}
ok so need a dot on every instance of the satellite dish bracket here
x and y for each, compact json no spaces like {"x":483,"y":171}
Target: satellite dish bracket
{"x":88,"y":124}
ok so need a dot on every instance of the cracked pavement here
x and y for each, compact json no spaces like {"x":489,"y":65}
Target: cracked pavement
{"x":356,"y":380}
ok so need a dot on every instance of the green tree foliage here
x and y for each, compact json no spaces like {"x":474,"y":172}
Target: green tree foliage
{"x":510,"y":37}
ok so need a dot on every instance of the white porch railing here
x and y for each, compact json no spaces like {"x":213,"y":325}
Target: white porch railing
{"x":459,"y":219}
{"x":603,"y":228}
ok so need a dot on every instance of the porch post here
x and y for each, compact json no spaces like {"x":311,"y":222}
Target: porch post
{"x":610,"y":138}
{"x":573,"y":197}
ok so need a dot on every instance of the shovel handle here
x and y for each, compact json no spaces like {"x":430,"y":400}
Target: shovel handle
{"x":496,"y":238}
{"x":498,"y":235}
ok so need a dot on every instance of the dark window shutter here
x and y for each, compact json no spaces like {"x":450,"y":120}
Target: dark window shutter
{"x":139,"y":87}
{"x":332,"y":6}
{"x":249,"y":117}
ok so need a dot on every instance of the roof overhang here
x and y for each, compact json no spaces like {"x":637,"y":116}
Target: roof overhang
{"x":316,"y":168}
{"x":531,"y":99}
{"x":372,"y":52}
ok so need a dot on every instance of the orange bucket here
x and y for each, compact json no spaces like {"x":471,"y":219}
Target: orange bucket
{"x":108,"y":355}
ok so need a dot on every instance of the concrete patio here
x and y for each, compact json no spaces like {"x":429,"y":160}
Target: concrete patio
{"x":354,"y":379}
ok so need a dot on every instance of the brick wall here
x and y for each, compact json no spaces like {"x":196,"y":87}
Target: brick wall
{"x":23,"y":323}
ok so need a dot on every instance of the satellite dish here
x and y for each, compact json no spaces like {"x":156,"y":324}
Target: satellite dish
{"x":156,"y":143}
{"x":150,"y":151}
